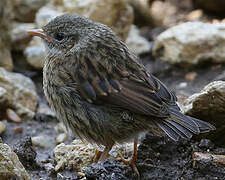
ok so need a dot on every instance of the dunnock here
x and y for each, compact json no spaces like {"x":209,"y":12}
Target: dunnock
{"x":101,"y":92}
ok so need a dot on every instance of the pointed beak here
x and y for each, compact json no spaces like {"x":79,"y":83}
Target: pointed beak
{"x":40,"y":33}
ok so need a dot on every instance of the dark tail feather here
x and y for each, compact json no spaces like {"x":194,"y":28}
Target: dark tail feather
{"x":179,"y":126}
{"x":203,"y":126}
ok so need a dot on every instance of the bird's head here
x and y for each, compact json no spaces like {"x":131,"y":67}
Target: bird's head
{"x":68,"y":33}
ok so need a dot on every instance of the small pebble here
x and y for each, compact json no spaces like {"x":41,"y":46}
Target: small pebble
{"x":61,"y":138}
{"x":43,"y":141}
{"x":195,"y":15}
{"x":12,"y":116}
{"x":182,"y":85}
{"x":2,"y":127}
{"x":191,"y":76}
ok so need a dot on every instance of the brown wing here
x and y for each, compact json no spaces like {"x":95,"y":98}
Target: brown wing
{"x":126,"y":85}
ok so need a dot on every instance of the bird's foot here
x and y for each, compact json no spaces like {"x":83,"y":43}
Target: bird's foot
{"x":131,"y":163}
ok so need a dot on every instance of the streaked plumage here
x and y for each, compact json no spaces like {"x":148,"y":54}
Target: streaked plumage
{"x":101,"y":92}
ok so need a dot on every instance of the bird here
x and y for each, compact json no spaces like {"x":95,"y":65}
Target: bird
{"x":102,"y":92}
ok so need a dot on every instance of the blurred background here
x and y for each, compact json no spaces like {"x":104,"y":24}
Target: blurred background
{"x":180,"y":42}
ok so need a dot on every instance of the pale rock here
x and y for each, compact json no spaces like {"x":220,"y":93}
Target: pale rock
{"x":3,"y":97}
{"x":46,"y":14}
{"x":6,"y":15}
{"x":136,"y":43}
{"x":79,"y":155}
{"x":20,"y":92}
{"x":10,"y":166}
{"x":19,"y":36}
{"x":191,"y":43}
{"x":60,"y":138}
{"x":5,"y":57}
{"x":35,"y":53}
{"x":209,"y":105}
{"x":2,"y":127}
{"x":45,"y":109}
{"x":43,"y":141}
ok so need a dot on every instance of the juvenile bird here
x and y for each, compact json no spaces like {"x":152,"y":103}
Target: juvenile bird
{"x":101,"y":92}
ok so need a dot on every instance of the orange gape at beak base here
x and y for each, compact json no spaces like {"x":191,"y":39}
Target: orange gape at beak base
{"x":40,"y":33}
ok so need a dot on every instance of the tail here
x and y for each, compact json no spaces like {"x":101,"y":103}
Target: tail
{"x":179,"y":126}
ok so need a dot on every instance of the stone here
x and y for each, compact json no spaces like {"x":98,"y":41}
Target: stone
{"x":2,"y":127}
{"x":210,"y":158}
{"x":10,"y":166}
{"x":61,"y":138}
{"x":25,"y":10}
{"x":191,"y":43}
{"x":45,"y":15}
{"x":209,"y":105}
{"x":79,"y":155}
{"x":35,"y":53}
{"x":12,"y":116}
{"x":5,"y":56}
{"x":136,"y":43}
{"x":190,"y":76}
{"x":45,"y":109}
{"x":195,"y":15}
{"x":76,"y":155}
{"x":3,"y":96}
{"x":19,"y":36}
{"x":6,"y":16}
{"x":43,"y":141}
{"x":21,"y":93}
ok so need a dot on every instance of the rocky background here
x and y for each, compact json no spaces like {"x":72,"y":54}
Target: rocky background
{"x":180,"y":42}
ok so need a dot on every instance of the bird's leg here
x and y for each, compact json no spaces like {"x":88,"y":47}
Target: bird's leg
{"x":133,"y":159}
{"x":103,"y":155}
{"x":98,"y":153}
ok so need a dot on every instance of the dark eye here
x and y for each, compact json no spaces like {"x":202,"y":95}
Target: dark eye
{"x":59,"y":36}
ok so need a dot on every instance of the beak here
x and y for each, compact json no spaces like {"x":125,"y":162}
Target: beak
{"x":40,"y":33}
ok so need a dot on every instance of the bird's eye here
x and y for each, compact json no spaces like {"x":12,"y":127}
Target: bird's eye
{"x":59,"y":36}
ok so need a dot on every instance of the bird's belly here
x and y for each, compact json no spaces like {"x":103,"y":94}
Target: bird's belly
{"x":95,"y":123}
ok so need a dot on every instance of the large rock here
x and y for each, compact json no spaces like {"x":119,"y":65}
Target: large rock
{"x":79,"y":155}
{"x":214,"y":6}
{"x":136,"y":42}
{"x":25,"y":10}
{"x":6,"y":15}
{"x":21,"y":93}
{"x":191,"y":43}
{"x":209,"y":105}
{"x":10,"y":166}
